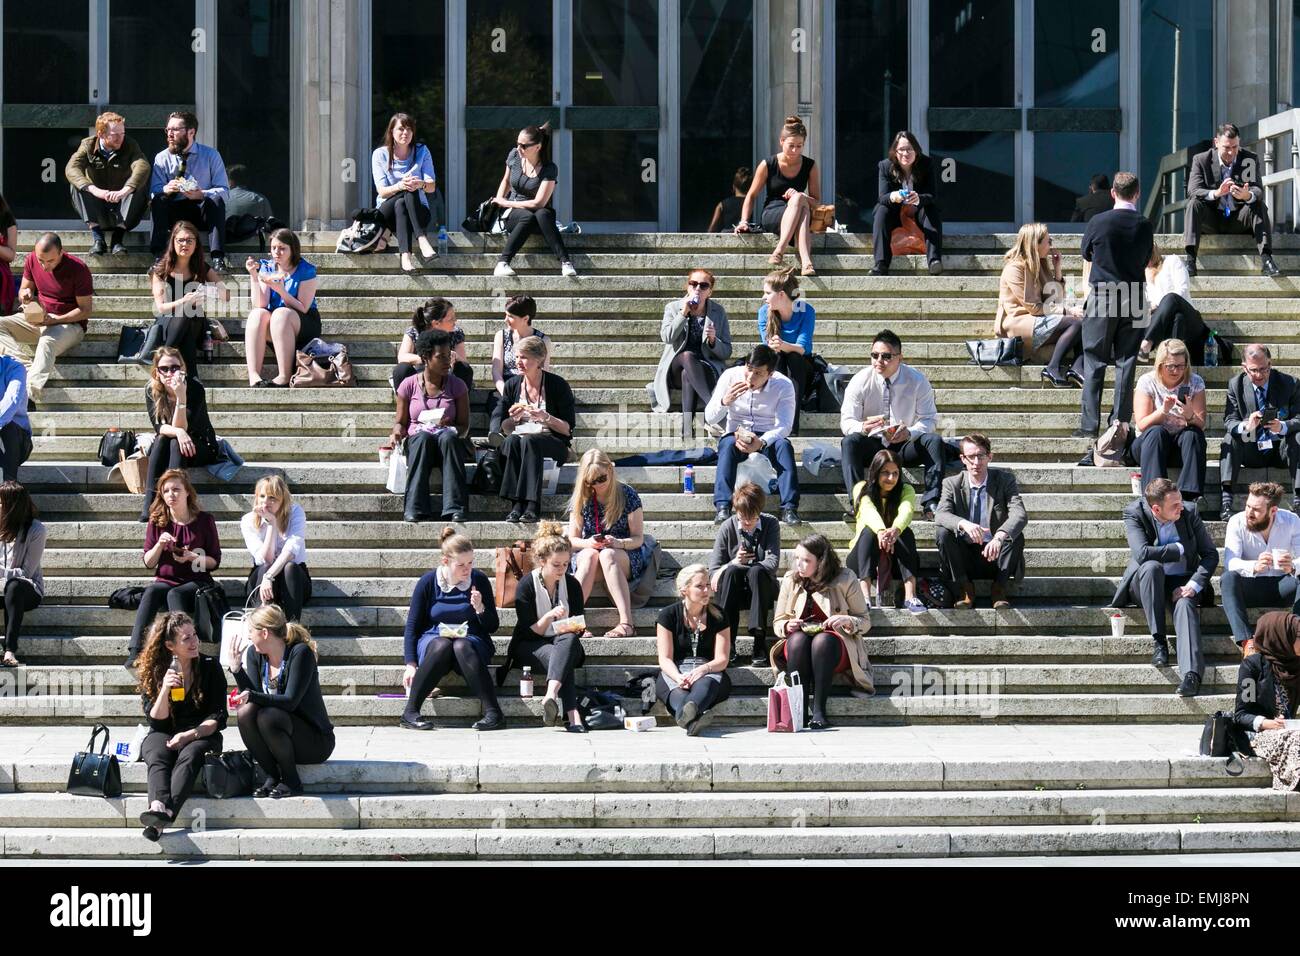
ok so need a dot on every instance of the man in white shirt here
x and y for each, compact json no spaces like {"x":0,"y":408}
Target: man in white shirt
{"x":757,"y":403}
{"x":1259,"y":554}
{"x":891,"y":405}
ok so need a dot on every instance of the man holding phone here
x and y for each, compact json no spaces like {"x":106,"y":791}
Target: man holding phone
{"x":1261,"y":424}
{"x":1224,"y":198}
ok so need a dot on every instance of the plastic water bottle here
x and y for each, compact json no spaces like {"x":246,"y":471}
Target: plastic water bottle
{"x":443,"y":239}
{"x":1212,"y":351}
{"x":209,"y":347}
{"x":526,"y":684}
{"x":688,"y":480}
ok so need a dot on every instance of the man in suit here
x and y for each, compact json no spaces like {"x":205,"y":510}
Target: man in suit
{"x":980,"y":525}
{"x":1224,"y":197}
{"x":1246,"y":439}
{"x":1098,"y":199}
{"x":1116,"y":247}
{"x":1172,"y":558}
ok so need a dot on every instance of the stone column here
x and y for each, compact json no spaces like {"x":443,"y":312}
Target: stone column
{"x":795,"y":84}
{"x":1248,"y":63}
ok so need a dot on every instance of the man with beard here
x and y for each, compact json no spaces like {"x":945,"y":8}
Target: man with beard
{"x":1259,"y":555}
{"x":189,"y":182}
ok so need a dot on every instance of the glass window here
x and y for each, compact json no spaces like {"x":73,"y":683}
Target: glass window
{"x":1076,"y":54}
{"x":47,"y":52}
{"x":717,"y":106}
{"x":870,"y":100}
{"x":1063,"y":166}
{"x":253,"y":80}
{"x":34,"y":183}
{"x":410,"y":74}
{"x":485,"y":162}
{"x":508,"y":53}
{"x":615,"y":53}
{"x":984,"y":187}
{"x":972,"y":53}
{"x":1162,"y":132}
{"x":613,"y":187}
{"x":166,"y":30}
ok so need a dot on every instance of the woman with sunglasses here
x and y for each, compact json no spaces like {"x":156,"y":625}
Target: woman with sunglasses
{"x":606,"y":531}
{"x":518,"y":318}
{"x":178,"y":410}
{"x":697,"y":344}
{"x":1169,"y":417}
{"x":526,"y":193}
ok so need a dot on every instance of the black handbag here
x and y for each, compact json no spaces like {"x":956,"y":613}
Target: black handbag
{"x":483,"y":218}
{"x":987,"y":353}
{"x":126,"y":599}
{"x":96,"y":773}
{"x":136,"y":343}
{"x":210,"y":606}
{"x":1219,"y":739}
{"x":229,"y":774}
{"x":115,"y":440}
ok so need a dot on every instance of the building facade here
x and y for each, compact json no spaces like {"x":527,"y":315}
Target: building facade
{"x":655,"y":103}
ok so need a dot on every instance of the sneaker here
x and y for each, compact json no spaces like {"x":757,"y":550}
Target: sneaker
{"x":219,"y":263}
{"x":914,"y":605}
{"x":98,"y":248}
{"x":119,"y":249}
{"x":567,"y":270}
{"x":1268,"y":268}
{"x":503,"y":270}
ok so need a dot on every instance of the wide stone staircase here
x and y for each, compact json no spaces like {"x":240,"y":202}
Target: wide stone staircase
{"x":1050,"y":660}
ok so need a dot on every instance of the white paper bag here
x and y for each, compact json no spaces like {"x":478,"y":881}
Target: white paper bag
{"x":550,"y":476}
{"x":234,"y":628}
{"x":397,"y":472}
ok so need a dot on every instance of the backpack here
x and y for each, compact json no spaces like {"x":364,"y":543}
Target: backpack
{"x":366,"y":234}
{"x":935,"y":593}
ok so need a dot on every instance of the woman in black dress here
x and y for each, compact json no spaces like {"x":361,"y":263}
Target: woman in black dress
{"x":791,"y":185}
{"x":907,"y":179}
{"x":178,"y":410}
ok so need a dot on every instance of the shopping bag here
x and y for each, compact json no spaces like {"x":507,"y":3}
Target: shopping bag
{"x":397,"y":472}
{"x":785,"y":705}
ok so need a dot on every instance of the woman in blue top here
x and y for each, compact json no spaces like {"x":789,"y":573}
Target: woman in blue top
{"x":404,"y":178}
{"x":451,"y":595}
{"x":284,"y":308}
{"x":786,"y":322}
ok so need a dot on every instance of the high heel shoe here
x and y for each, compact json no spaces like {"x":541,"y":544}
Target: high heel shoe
{"x":1057,"y":380}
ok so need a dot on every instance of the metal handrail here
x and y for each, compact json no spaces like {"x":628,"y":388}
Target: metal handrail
{"x":1161,"y":207}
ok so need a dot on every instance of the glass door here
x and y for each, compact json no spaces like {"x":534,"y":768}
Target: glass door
{"x":66,"y":61}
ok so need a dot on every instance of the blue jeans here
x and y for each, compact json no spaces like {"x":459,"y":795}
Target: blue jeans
{"x":780,"y":453}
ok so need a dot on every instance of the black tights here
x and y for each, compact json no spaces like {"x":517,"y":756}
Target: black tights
{"x":691,"y":374}
{"x":443,"y":656}
{"x":279,"y":741}
{"x":1069,"y":339}
{"x":816,"y":655}
{"x":20,"y":597}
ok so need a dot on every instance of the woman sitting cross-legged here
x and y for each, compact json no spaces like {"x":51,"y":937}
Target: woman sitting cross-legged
{"x":884,"y":547}
{"x":605,"y":528}
{"x":275,"y":532}
{"x":22,"y":545}
{"x":449,"y":627}
{"x":185,"y":704}
{"x":697,"y":344}
{"x":539,"y":424}
{"x":284,"y":309}
{"x":821,"y":617}
{"x":281,"y":715}
{"x":432,"y":418}
{"x":1028,"y":289}
{"x":694,"y":647}
{"x":178,"y":410}
{"x":544,"y":600}
{"x":181,"y":543}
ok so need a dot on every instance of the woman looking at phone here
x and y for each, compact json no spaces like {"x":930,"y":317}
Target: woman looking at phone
{"x":606,"y":531}
{"x":1169,"y":416}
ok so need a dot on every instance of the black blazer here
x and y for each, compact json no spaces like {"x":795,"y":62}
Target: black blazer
{"x":1118,"y":244}
{"x":1256,"y":696}
{"x":559,"y":399}
{"x":1198,"y":550}
{"x":1207,"y":172}
{"x":299,"y":684}
{"x":1283,"y":394}
{"x":526,"y":614}
{"x":923,"y":181}
{"x":200,"y":427}
{"x":1085,"y":207}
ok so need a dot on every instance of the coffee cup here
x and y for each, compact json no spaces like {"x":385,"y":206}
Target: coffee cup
{"x":1278,"y":555}
{"x":1117,"y":625}
{"x":1135,"y":482}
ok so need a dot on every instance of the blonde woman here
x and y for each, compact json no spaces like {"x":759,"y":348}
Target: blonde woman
{"x":1169,"y":415}
{"x":790,"y":184}
{"x":1031,"y":265}
{"x":281,"y":713}
{"x":275,"y":532}
{"x":606,"y":531}
{"x":694,"y":642}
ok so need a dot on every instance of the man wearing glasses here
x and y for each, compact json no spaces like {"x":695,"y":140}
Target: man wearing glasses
{"x":1261,"y":425}
{"x":891,"y":405}
{"x":189,"y":182}
{"x":981,"y":523}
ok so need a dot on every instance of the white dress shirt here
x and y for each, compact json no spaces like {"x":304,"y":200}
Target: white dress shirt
{"x":911,"y":401}
{"x":1241,"y":546}
{"x":1172,"y":278}
{"x":294,"y":538}
{"x":768,"y":412}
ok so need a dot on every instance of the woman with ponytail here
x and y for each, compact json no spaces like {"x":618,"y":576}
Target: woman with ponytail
{"x":785,"y":324}
{"x":436,"y":313}
{"x":281,"y":715}
{"x":790,"y":185}
{"x":526,"y":192}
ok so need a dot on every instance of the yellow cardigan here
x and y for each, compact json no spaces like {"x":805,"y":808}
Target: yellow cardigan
{"x":869,"y":517}
{"x":841,"y":596}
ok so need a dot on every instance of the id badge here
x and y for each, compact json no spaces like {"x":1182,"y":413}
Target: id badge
{"x":1265,"y":444}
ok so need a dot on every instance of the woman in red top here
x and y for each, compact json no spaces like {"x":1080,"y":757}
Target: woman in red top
{"x":182,"y":547}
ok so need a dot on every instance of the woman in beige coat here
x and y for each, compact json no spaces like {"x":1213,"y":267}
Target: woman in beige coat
{"x":1032,"y":264}
{"x":820,"y":620}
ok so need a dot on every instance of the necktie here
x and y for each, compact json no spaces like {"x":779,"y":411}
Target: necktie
{"x":1227,"y":199}
{"x":889,"y":388}
{"x":1261,"y":397}
{"x":977,"y":506}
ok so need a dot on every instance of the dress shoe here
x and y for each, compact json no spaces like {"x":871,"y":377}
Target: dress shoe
{"x":967,"y":600}
{"x":455,"y":517}
{"x":1189,"y":260}
{"x":513,"y":517}
{"x":1191,"y":685}
{"x":413,"y":519}
{"x":415,"y":723}
{"x":1000,"y":601}
{"x":119,"y":249}
{"x":758,"y":656}
{"x":936,"y":267}
{"x":282,"y":790}
{"x":927,"y":512}
{"x":1074,"y":378}
{"x":493,"y":721}
{"x":1160,"y":654}
{"x":157,"y":819}
{"x":880,"y":271}
{"x":791,"y":518}
{"x":528,"y":517}
{"x":98,"y":248}
{"x":265,"y":789}
{"x":550,"y":711}
{"x":690,"y":710}
{"x":1225,"y":505}
{"x":699,"y":724}
{"x":578,"y":728}
{"x":722,"y":514}
{"x":1057,"y":380}
{"x":1082,"y":433}
{"x":818,"y":722}
{"x":1267,"y":267}
{"x":219,"y":263}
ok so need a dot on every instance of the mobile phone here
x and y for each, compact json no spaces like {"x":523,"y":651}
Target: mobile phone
{"x":1184,"y":392}
{"x":1267,"y":414}
{"x":600,"y":536}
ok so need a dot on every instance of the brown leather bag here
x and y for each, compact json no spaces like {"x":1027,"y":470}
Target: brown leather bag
{"x":907,"y":239}
{"x":823,"y":217}
{"x":512,"y":564}
{"x":311,"y":374}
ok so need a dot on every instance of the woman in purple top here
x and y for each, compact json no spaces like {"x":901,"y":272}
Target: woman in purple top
{"x":181,"y":547}
{"x":432,"y":418}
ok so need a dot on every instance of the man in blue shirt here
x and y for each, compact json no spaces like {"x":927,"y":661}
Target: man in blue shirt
{"x":189,"y":182}
{"x":15,"y":428}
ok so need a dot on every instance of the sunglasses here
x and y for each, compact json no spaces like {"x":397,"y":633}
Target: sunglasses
{"x":598,"y":480}
{"x":525,"y":145}
{"x":699,"y":285}
{"x":168,"y":369}
{"x":882,"y":356}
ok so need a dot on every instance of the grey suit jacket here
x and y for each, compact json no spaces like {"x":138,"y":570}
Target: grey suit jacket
{"x":1283,"y":394}
{"x":1008,"y":511}
{"x":1207,"y":172}
{"x":727,"y":543}
{"x":1198,"y":550}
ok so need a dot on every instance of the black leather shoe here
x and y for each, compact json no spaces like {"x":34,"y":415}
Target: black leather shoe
{"x":513,"y":517}
{"x":759,"y":653}
{"x":1160,"y":654}
{"x":722,"y":514}
{"x":456,"y":517}
{"x":1225,"y":505}
{"x":265,"y":789}
{"x":152,"y":834}
{"x":880,"y":271}
{"x":1190,"y":261}
{"x":1082,"y":433}
{"x":412,"y":519}
{"x":492,"y":721}
{"x":528,"y":517}
{"x":155,"y":819}
{"x":98,"y":248}
{"x":576,"y":729}
{"x":282,"y":790}
{"x":818,"y":723}
{"x":119,"y":249}
{"x":219,"y":263}
{"x":1074,"y":378}
{"x":1058,"y":381}
{"x":1191,"y":685}
{"x":936,"y":267}
{"x":791,"y":517}
{"x":1267,"y":267}
{"x":416,"y":723}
